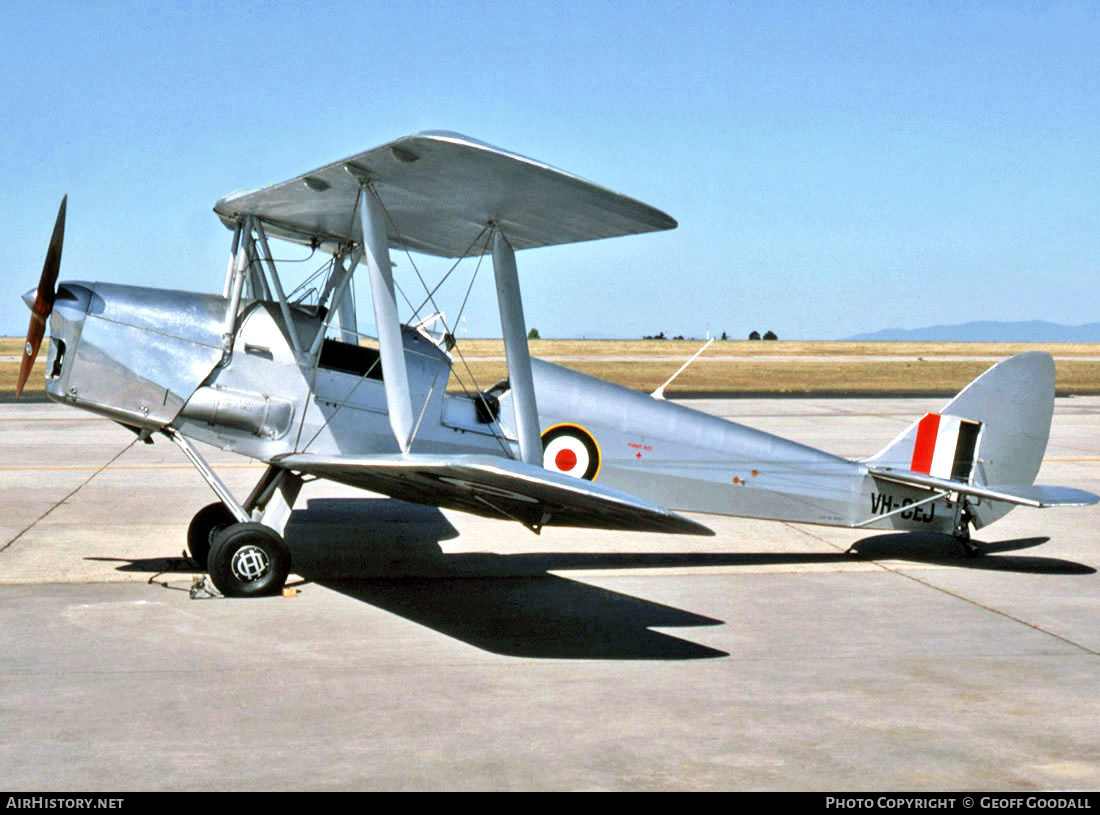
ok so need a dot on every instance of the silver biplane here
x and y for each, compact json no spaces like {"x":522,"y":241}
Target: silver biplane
{"x":285,"y":379}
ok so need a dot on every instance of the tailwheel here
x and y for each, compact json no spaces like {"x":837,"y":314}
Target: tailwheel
{"x":248,"y":560}
{"x":970,"y":549}
{"x":961,"y":533}
{"x":208,"y":522}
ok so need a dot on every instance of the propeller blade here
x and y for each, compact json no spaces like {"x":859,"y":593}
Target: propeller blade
{"x":44,"y":299}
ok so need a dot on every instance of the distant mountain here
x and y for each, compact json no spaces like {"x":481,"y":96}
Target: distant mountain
{"x":1033,"y":331}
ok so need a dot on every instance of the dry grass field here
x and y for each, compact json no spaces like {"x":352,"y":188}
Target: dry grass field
{"x":11,"y":348}
{"x":739,"y":366}
{"x":795,"y":367}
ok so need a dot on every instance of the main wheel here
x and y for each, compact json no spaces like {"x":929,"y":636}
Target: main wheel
{"x":249,"y":560}
{"x":208,"y":522}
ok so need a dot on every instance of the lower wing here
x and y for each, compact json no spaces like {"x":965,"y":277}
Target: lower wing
{"x":496,"y":488}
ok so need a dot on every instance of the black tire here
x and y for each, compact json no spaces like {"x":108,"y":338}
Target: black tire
{"x":208,"y":522}
{"x":249,"y":560}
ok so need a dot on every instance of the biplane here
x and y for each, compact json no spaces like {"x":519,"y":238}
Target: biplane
{"x":287,"y":379}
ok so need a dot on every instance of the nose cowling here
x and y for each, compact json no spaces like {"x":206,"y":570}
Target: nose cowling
{"x":132,"y":353}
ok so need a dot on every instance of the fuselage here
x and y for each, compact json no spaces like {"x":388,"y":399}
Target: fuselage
{"x":154,"y":359}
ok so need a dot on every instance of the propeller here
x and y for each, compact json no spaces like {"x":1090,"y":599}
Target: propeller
{"x":43,"y":301}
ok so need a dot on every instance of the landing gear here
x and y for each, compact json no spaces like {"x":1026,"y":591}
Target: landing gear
{"x":248,"y":560}
{"x":961,"y":531}
{"x":208,"y":522}
{"x":970,"y":548}
{"x":241,"y":545}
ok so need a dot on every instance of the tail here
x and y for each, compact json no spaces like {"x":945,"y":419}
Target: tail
{"x":987,"y":443}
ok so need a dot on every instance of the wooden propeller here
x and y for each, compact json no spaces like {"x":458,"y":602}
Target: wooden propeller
{"x":43,"y":301}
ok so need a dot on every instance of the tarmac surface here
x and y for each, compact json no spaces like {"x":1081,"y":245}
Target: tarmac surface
{"x":432,"y":650}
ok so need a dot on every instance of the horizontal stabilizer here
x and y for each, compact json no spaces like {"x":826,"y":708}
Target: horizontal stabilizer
{"x":439,"y":191}
{"x":496,"y":488}
{"x":1027,"y":495}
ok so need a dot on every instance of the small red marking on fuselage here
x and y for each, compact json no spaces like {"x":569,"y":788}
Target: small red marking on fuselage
{"x":565,"y":460}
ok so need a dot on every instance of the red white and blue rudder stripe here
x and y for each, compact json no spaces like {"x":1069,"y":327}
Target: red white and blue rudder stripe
{"x":945,"y":446}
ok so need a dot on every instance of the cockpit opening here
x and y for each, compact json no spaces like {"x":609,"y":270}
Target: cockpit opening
{"x":359,"y":360}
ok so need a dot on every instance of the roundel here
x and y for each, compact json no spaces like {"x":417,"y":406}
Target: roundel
{"x":569,"y":449}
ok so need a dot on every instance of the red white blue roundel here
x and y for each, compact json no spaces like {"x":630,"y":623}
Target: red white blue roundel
{"x":569,"y":449}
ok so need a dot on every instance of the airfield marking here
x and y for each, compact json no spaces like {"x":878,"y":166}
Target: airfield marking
{"x":79,"y":467}
{"x":72,"y":417}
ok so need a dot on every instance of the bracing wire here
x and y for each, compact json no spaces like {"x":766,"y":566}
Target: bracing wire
{"x":320,"y":272}
{"x":454,"y":266}
{"x":430,"y":298}
{"x":470,"y":288}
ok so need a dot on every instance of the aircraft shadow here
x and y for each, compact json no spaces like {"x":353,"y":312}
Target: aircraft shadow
{"x":387,"y":553}
{"x":925,"y":547}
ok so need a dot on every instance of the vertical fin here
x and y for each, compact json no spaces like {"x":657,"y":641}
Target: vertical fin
{"x":1003,"y":424}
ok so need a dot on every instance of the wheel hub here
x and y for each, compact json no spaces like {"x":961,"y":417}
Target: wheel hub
{"x":250,"y":563}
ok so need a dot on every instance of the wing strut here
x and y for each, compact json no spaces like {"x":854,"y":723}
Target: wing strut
{"x":227,"y":288}
{"x":514,"y":329}
{"x":235,"y":286}
{"x":284,"y":306}
{"x":391,"y":349}
{"x":345,"y":312}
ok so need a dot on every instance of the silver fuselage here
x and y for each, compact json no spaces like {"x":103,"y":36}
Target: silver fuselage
{"x":153,"y":359}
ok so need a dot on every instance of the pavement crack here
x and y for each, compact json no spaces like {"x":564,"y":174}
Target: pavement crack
{"x":950,"y":593}
{"x":77,"y":489}
{"x":998,"y":611}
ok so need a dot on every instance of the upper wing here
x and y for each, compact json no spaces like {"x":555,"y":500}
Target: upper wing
{"x":440,"y":190}
{"x":497,"y":488}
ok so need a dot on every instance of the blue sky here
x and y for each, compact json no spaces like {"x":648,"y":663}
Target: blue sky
{"x":835,"y":167}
